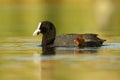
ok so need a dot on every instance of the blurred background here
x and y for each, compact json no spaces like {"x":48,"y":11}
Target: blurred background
{"x":20,"y":52}
{"x":21,"y":17}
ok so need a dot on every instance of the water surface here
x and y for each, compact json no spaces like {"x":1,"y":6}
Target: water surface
{"x":21,"y":59}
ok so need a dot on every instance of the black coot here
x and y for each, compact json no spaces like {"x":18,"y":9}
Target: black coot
{"x":49,"y":37}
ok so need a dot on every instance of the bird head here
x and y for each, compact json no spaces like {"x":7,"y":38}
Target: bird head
{"x":79,"y":40}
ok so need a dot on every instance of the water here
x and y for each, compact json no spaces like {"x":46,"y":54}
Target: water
{"x":21,"y":58}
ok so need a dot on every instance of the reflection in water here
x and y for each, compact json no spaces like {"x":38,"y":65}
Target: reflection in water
{"x":47,"y":69}
{"x":23,"y":56}
{"x":48,"y":50}
{"x":47,"y":65}
{"x":80,"y":67}
{"x":86,"y":50}
{"x":51,"y":50}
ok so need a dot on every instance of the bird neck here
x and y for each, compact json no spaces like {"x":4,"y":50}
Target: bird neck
{"x":48,"y":39}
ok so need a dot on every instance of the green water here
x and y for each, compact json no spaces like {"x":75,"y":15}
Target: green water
{"x":21,"y":59}
{"x":20,"y":53}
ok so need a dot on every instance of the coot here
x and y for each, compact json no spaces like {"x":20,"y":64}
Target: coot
{"x":67,"y":40}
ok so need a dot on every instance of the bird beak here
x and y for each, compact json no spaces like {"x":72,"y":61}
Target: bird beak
{"x":36,"y":32}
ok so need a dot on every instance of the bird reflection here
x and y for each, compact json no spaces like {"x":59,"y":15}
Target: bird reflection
{"x":52,"y":51}
{"x":86,"y":50}
{"x":48,"y":50}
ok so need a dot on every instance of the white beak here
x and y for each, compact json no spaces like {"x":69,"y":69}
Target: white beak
{"x":37,"y":31}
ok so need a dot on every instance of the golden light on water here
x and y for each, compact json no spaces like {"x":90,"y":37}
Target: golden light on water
{"x":20,"y":52}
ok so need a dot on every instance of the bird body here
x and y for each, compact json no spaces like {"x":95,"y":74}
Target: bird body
{"x":49,"y":37}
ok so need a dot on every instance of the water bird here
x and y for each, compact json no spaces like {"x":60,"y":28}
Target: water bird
{"x":49,"y":38}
